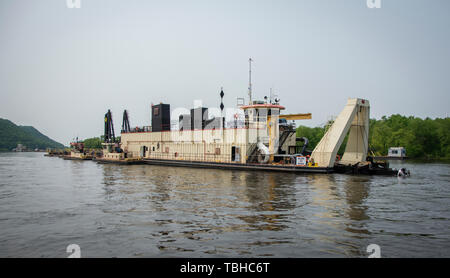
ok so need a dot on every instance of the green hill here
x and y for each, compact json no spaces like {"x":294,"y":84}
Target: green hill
{"x":12,"y":134}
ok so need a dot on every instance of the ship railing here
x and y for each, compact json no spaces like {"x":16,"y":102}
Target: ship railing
{"x":137,"y":129}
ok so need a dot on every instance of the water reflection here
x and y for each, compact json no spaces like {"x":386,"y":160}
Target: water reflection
{"x":357,"y":190}
{"x":339,"y":202}
{"x":268,"y":197}
{"x":151,"y":211}
{"x":196,"y":204}
{"x":326,"y":197}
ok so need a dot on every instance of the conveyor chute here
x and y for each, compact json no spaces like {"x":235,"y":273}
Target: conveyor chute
{"x":354,"y":118}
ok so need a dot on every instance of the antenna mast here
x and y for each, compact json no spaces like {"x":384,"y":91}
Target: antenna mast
{"x":250,"y":80}
{"x":222,"y":106}
{"x":270,"y":96}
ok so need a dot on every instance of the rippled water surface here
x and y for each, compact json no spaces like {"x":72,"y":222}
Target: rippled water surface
{"x":48,"y":203}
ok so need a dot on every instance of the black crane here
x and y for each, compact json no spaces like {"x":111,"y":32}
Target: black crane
{"x":109,"y":128}
{"x":125,"y":122}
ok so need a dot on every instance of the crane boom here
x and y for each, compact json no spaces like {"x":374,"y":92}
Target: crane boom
{"x":289,"y":117}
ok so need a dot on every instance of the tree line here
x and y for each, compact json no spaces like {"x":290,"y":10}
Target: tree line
{"x":96,"y":142}
{"x":93,"y":143}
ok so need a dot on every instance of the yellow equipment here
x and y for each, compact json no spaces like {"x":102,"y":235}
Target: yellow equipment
{"x":289,"y":117}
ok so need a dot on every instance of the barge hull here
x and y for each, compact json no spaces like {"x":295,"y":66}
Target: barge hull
{"x":76,"y":158}
{"x":120,"y":162}
{"x":236,"y":166}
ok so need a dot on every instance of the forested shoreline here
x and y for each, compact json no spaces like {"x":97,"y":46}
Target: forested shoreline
{"x":12,"y":134}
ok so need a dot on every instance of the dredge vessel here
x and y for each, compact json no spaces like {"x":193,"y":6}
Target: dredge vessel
{"x":262,"y":141}
{"x":259,"y":138}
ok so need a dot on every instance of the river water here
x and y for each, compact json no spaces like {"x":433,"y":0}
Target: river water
{"x":48,"y":203}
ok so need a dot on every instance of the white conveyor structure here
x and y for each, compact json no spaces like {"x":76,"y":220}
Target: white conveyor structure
{"x":354,"y":119}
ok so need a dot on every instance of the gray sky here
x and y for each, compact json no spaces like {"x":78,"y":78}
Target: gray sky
{"x":61,"y":68}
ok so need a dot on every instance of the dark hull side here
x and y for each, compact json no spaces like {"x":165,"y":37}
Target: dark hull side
{"x":76,"y":158}
{"x":120,"y":162}
{"x":237,"y":166}
{"x":365,"y":170}
{"x":341,"y":169}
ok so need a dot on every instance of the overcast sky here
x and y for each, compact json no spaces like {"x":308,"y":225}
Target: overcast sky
{"x":61,"y":68}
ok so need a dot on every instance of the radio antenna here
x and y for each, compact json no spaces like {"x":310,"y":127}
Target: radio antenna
{"x":250,"y":80}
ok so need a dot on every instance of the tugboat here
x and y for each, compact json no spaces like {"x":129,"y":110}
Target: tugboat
{"x":77,"y":152}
